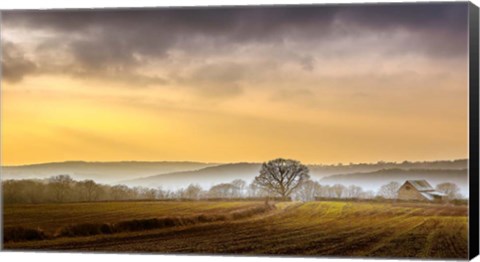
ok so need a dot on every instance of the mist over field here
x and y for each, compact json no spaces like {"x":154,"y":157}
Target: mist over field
{"x":174,"y":175}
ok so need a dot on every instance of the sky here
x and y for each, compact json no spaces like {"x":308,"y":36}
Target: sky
{"x":320,"y":84}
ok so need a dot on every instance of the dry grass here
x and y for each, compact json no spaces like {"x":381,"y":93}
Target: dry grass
{"x":306,"y":229}
{"x":51,"y":217}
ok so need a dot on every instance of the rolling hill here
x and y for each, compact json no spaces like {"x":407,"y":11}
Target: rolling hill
{"x":205,"y":177}
{"x":102,"y":172}
{"x":370,"y":176}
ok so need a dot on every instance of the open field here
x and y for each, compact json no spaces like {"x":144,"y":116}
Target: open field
{"x":51,"y":217}
{"x":291,"y":228}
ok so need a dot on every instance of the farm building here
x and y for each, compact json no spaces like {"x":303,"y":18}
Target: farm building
{"x":419,"y":190}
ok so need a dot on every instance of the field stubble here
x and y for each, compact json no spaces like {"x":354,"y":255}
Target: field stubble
{"x":292,"y":228}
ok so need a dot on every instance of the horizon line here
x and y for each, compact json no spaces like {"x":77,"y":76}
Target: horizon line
{"x":233,"y":162}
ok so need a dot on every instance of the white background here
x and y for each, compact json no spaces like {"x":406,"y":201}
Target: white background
{"x":54,"y":257}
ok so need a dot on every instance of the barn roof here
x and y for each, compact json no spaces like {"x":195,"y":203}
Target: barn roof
{"x":421,"y":185}
{"x":427,"y":195}
{"x":432,"y":195}
{"x":436,"y":193}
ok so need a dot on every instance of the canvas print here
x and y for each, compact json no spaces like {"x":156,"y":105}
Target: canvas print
{"x":309,"y":130}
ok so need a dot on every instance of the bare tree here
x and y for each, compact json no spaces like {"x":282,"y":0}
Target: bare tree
{"x":160,"y":193}
{"x":90,"y":190}
{"x":338,"y":190}
{"x":193,"y":192}
{"x":120,"y":192}
{"x":179,"y":193}
{"x":224,"y":190}
{"x":353,"y":191}
{"x":282,"y":176}
{"x":149,"y":193}
{"x":239,"y":187}
{"x":324,"y":191}
{"x":255,"y":190}
{"x":60,"y":185}
{"x":450,"y":189}
{"x":389,"y":191}
{"x":33,"y":189}
{"x":308,"y":190}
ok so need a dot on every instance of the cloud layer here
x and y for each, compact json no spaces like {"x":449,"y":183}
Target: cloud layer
{"x":202,"y":44}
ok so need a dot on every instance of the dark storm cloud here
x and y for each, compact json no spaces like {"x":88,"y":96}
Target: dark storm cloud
{"x":443,"y":26}
{"x":110,"y":43}
{"x":14,"y":64}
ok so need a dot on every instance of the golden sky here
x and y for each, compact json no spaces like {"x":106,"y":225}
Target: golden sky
{"x":321,"y":85}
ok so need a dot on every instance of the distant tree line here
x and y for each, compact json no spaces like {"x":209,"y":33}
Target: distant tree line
{"x":63,"y":188}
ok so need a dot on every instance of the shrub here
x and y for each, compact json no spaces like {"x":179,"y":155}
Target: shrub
{"x":145,"y":224}
{"x":87,"y":229}
{"x":22,"y":234}
{"x":211,"y":218}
